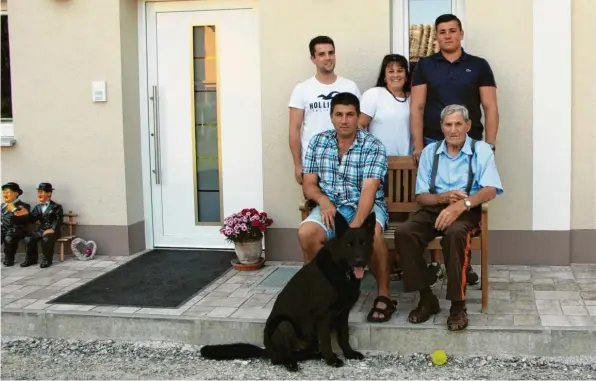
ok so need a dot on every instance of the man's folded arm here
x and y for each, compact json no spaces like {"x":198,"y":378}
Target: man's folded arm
{"x":310,"y":186}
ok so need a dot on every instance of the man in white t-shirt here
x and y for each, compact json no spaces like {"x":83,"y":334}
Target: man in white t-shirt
{"x":310,"y":101}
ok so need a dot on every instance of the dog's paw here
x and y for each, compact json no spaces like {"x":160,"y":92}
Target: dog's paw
{"x":292,"y":366}
{"x":354,"y":355}
{"x":335,"y":361}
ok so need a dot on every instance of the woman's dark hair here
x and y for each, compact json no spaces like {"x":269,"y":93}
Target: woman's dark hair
{"x":401,"y":61}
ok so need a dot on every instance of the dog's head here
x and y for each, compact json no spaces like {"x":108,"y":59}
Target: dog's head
{"x":354,"y":246}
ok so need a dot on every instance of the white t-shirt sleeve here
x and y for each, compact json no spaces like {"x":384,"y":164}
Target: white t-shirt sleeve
{"x":297,"y":97}
{"x":356,"y":90}
{"x":368,"y":103}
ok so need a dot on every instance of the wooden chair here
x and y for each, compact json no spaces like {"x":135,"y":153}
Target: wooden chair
{"x":401,"y":199}
{"x":69,"y":220}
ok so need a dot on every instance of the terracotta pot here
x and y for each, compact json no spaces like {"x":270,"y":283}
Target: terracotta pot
{"x":249,"y":252}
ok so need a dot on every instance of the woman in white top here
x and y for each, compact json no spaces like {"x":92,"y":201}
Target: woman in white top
{"x":385,"y":113}
{"x":386,"y":107}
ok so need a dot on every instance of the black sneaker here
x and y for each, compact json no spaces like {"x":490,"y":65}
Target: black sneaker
{"x":437,"y":270}
{"x":471,"y":277}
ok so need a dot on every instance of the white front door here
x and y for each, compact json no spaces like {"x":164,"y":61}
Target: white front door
{"x":203,"y":77}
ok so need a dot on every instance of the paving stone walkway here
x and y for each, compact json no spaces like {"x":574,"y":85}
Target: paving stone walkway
{"x":520,"y":296}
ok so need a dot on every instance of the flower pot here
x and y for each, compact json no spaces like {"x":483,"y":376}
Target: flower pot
{"x":249,"y":252}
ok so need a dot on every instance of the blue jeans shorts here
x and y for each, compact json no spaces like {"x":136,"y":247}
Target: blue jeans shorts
{"x":349,"y":213}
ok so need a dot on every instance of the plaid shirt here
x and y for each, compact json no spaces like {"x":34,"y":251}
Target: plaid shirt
{"x":342,"y":182}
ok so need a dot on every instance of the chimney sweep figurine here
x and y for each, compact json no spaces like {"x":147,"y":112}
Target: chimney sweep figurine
{"x":49,"y":214}
{"x":13,"y":226}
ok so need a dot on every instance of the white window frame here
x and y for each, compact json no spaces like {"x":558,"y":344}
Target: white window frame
{"x":400,"y":24}
{"x":7,"y":128}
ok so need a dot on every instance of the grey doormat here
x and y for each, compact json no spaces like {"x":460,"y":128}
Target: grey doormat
{"x":156,"y":279}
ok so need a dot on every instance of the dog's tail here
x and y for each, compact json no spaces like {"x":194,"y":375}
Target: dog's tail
{"x":232,"y":351}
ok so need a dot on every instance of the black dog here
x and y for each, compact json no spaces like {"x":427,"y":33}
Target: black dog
{"x":316,"y":300}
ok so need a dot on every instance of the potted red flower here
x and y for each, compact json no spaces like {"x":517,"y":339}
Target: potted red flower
{"x":246,"y":230}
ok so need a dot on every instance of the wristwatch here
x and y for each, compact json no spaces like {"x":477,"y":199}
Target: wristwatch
{"x":468,"y":204}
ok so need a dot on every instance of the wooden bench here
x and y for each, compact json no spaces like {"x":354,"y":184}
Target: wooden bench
{"x":68,"y":221}
{"x":401,"y":200}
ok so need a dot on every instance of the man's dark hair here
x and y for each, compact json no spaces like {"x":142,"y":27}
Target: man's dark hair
{"x":346,"y":99}
{"x":446,"y":18}
{"x":319,"y":40}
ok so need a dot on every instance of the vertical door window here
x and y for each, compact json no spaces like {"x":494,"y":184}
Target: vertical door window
{"x":208,"y":192}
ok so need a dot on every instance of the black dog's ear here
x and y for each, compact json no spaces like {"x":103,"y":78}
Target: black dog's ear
{"x":370,"y":222}
{"x":341,"y":225}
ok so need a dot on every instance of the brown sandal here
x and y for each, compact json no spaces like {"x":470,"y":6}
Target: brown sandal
{"x":425,"y":309}
{"x":457,"y":320}
{"x":390,"y":308}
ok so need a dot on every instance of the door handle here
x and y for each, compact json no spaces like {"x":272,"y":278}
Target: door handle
{"x":155,"y":134}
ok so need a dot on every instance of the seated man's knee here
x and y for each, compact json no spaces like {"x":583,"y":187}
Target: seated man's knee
{"x":309,"y":232}
{"x":379,"y":232}
{"x":456,"y":230}
{"x":379,"y":238}
{"x":401,"y":232}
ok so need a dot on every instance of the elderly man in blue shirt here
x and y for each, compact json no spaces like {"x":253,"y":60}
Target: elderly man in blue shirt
{"x":455,"y":176}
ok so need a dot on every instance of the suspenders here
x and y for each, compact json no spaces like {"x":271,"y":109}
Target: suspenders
{"x":433,"y":174}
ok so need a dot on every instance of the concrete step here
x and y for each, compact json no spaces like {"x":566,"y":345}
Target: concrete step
{"x":395,"y":337}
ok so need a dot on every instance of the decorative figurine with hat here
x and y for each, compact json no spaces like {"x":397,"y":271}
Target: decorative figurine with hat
{"x":13,"y":226}
{"x":49,"y":214}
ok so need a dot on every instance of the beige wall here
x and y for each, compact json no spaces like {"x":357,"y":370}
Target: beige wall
{"x":130,"y":110}
{"x":284,"y":41}
{"x":91,"y":151}
{"x":360,"y":29}
{"x":57,"y":49}
{"x":504,"y":38}
{"x":583,"y":114}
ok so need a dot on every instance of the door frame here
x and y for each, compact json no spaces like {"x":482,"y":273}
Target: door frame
{"x":144,"y":101}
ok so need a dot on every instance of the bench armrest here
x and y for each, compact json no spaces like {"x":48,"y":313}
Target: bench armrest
{"x":306,"y":205}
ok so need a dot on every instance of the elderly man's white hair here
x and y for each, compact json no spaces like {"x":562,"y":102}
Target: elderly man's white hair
{"x":452,"y":109}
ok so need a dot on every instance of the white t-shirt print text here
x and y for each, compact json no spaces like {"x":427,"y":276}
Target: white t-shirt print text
{"x":315,"y":98}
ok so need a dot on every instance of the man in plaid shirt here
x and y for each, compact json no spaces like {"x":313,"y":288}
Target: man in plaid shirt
{"x":343,"y":172}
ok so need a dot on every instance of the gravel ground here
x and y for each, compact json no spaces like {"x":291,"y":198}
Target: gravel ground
{"x":26,"y":358}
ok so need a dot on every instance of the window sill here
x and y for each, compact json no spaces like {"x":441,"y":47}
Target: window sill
{"x":7,"y":141}
{"x":7,"y":135}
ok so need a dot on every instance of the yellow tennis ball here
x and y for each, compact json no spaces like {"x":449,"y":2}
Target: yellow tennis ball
{"x":439,"y":357}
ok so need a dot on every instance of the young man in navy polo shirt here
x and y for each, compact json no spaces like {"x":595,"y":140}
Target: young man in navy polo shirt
{"x":452,"y":76}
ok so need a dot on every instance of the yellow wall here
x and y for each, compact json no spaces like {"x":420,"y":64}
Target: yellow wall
{"x":583,"y":114}
{"x":360,"y":30}
{"x":57,"y":49}
{"x":131,"y":122}
{"x":284,"y":44}
{"x":504,"y":38}
{"x":90,"y":151}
